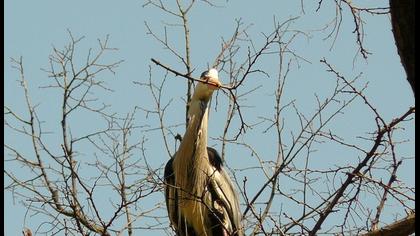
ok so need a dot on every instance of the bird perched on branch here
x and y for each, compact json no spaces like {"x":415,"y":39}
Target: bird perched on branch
{"x":200,"y":196}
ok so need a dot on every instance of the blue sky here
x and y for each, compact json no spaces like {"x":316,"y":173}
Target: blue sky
{"x":32,"y":28}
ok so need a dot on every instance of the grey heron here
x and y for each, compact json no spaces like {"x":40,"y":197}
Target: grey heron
{"x":200,"y":197}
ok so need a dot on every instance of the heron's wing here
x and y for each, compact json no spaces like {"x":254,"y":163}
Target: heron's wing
{"x":170,"y":193}
{"x":181,"y":226}
{"x":225,"y":201}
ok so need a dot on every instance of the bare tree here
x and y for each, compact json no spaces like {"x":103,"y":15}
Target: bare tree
{"x":66,"y":183}
{"x":293,"y":194}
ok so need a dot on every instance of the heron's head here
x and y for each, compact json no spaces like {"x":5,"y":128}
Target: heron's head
{"x":204,"y":91}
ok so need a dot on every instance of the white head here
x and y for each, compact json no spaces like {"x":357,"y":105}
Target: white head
{"x":212,"y":73}
{"x":204,"y":91}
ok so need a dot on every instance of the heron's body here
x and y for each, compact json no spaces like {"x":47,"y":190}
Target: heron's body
{"x":200,"y":197}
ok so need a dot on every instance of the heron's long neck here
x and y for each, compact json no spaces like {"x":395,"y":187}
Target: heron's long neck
{"x":191,"y":157}
{"x":192,"y":168}
{"x":197,"y":127}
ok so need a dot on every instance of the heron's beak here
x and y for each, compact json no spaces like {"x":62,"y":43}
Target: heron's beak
{"x":214,"y":83}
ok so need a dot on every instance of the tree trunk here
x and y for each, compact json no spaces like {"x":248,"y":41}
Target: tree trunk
{"x":403,"y":27}
{"x":402,"y":227}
